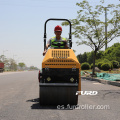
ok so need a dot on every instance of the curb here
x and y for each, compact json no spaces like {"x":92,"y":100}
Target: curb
{"x":115,"y":83}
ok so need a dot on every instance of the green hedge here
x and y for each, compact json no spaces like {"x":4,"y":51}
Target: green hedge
{"x":106,"y":66}
{"x":85,"y":66}
{"x":115,"y":64}
{"x":100,"y":64}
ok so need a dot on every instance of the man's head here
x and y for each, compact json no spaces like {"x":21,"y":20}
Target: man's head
{"x":58,"y":30}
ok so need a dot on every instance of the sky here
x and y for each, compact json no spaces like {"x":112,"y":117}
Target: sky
{"x":22,"y":27}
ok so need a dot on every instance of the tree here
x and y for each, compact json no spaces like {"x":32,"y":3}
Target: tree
{"x":2,"y":58}
{"x":82,"y":57}
{"x":33,"y":68}
{"x":89,"y":27}
{"x":12,"y":64}
{"x":5,"y":61}
{"x":79,"y":57}
{"x":90,"y":57}
{"x":100,"y":54}
{"x":113,"y":52}
{"x":21,"y":65}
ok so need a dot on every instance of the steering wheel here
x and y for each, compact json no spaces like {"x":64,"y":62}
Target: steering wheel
{"x":59,"y":44}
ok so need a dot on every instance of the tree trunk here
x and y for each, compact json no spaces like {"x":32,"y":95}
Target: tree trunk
{"x":94,"y":57}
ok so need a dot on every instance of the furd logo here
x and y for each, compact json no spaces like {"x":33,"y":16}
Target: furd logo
{"x":87,"y":92}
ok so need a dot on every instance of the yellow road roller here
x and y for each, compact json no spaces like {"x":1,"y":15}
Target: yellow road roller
{"x":60,"y":77}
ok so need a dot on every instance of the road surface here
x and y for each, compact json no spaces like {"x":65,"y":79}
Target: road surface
{"x":19,"y":94}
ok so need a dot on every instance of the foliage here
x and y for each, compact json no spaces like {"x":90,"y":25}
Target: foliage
{"x":33,"y":68}
{"x":108,"y":56}
{"x":21,"y":65}
{"x":89,"y":27}
{"x":100,"y":64}
{"x":85,"y":66}
{"x":105,"y":66}
{"x":113,"y":52}
{"x":106,"y":61}
{"x":115,"y":64}
{"x":82,"y":57}
{"x":99,"y":55}
{"x":12,"y":64}
{"x":88,"y":56}
{"x":2,"y":58}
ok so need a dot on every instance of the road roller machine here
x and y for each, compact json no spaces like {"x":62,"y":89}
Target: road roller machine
{"x":60,"y":77}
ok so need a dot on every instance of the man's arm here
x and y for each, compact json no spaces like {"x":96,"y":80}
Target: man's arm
{"x":66,"y":46}
{"x":48,"y":45}
{"x":46,"y":49}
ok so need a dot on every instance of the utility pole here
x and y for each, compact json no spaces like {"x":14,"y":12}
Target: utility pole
{"x":106,"y":27}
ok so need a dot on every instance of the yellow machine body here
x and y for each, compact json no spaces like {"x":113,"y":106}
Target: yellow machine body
{"x":62,"y":58}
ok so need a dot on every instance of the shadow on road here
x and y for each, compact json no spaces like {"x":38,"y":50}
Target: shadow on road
{"x":36,"y":105}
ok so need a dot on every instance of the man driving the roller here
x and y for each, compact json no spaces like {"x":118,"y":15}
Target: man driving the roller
{"x":56,"y":42}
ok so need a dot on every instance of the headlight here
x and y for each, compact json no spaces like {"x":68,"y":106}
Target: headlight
{"x":48,"y":79}
{"x":72,"y":79}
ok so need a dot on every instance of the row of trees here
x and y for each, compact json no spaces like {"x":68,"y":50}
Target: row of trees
{"x":89,"y":27}
{"x":110,"y":56}
{"x":11,"y":65}
{"x":88,"y":56}
{"x":103,"y":65}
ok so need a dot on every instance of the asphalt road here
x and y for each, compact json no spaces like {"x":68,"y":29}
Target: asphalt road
{"x":19,"y":100}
